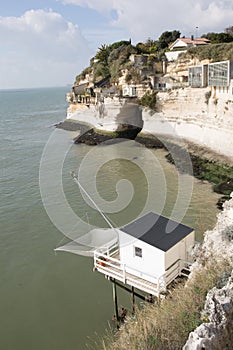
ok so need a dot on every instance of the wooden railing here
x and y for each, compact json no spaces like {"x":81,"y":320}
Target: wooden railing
{"x":105,"y":263}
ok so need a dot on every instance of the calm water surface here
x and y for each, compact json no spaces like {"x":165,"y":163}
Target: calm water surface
{"x":55,"y":301}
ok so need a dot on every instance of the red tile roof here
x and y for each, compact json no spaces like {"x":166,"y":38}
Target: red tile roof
{"x":190,"y":41}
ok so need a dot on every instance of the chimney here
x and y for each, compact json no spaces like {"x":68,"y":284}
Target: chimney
{"x":192,"y":37}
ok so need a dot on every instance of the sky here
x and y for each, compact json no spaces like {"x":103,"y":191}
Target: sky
{"x":48,"y":42}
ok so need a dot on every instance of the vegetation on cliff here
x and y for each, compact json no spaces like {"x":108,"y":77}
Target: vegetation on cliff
{"x":214,"y":53}
{"x":217,"y":38}
{"x":111,"y":59}
{"x":149,"y":100}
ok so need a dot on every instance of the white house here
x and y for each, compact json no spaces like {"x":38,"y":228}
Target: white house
{"x":182,"y":44}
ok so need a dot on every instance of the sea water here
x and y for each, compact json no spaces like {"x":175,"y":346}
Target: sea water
{"x":55,"y":301}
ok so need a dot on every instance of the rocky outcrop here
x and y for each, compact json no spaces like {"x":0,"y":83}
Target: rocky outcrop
{"x":108,"y":119}
{"x":215,"y":333}
{"x":219,"y":241}
{"x":114,"y":114}
{"x":94,"y":137}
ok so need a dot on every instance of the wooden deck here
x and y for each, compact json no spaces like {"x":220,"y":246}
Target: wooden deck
{"x":109,"y":264}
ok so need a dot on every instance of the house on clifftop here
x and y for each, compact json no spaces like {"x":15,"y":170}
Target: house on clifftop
{"x":182,"y":44}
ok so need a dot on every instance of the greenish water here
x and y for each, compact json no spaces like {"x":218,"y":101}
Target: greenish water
{"x":55,"y":301}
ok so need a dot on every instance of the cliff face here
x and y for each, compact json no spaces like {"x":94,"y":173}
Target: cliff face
{"x":111,"y":115}
{"x":216,"y":332}
{"x":201,"y":115}
{"x":179,"y":67}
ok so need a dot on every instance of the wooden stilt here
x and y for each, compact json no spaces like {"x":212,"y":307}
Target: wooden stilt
{"x":133,"y":301}
{"x":130,"y":290}
{"x":114,"y":292}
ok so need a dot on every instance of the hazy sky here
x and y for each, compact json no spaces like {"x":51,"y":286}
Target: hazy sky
{"x":48,"y":42}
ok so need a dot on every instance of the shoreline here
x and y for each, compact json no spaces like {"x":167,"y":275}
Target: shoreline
{"x":207,"y":164}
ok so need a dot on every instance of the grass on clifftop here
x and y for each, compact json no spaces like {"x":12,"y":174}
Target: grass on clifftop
{"x":167,"y":325}
{"x":213,"y":52}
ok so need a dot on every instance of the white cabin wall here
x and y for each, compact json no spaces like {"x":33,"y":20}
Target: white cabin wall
{"x":151,"y":263}
{"x":180,"y":250}
{"x":172,"y":255}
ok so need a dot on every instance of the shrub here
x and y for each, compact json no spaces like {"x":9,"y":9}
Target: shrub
{"x":149,"y":100}
{"x":207,"y":97}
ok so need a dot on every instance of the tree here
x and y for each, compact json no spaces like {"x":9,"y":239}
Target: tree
{"x":103,"y":53}
{"x":218,"y":38}
{"x":117,"y":44}
{"x":142,"y":48}
{"x":168,"y":37}
{"x":151,"y":45}
{"x":229,"y":30}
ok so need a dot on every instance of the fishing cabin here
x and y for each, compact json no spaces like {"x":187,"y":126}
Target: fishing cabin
{"x":152,"y":251}
{"x":148,"y":253}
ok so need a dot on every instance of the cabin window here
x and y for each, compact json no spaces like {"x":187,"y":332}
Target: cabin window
{"x":138,"y":252}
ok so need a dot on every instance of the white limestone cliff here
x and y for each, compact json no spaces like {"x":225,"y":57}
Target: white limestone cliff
{"x":107,"y":115}
{"x":198,"y":115}
{"x":216,"y":332}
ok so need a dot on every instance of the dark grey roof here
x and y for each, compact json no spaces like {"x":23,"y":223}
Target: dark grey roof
{"x":157,"y":230}
{"x":103,"y":82}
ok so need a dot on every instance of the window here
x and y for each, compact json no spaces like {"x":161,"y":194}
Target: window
{"x":138,"y":252}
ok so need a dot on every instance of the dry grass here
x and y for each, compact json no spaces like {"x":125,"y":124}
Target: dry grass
{"x":166,"y":325}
